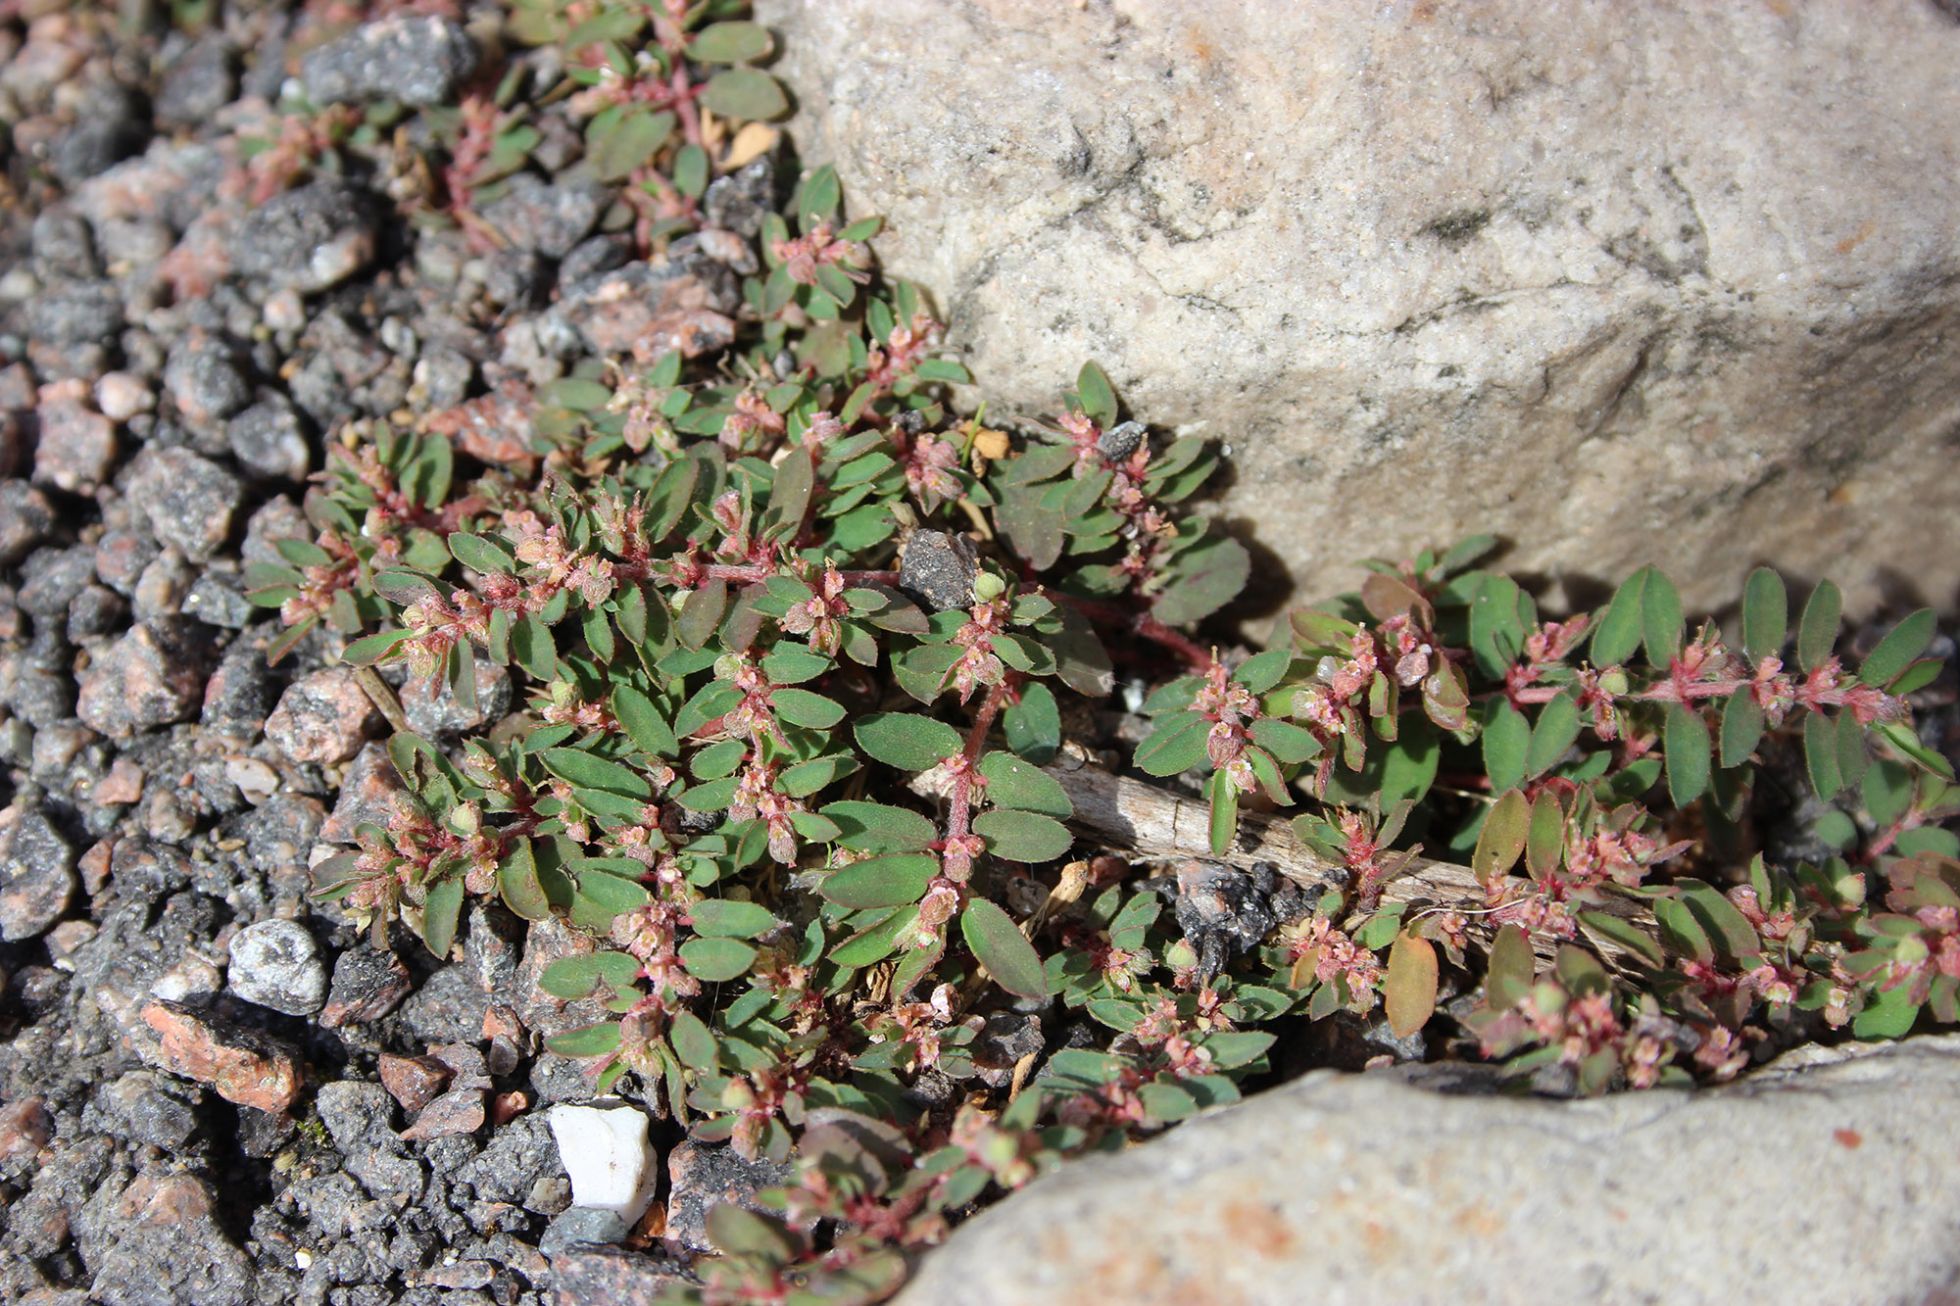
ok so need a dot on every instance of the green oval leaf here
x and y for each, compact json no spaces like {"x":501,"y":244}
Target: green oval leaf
{"x":715,"y":960}
{"x":877,"y":828}
{"x":889,"y":881}
{"x":1012,"y":782}
{"x":1896,"y":651}
{"x":1097,"y":395}
{"x":618,"y":146}
{"x":746,"y":93}
{"x":999,"y":946}
{"x":573,"y":978}
{"x":1223,"y":797}
{"x":1033,"y":726}
{"x":481,"y":555}
{"x":1507,"y":737}
{"x":1502,"y":840}
{"x":1617,"y":633}
{"x":906,"y":740}
{"x":591,"y":1041}
{"x":1205,"y":578}
{"x":517,"y":880}
{"x":584,"y":771}
{"x":1660,"y":619}
{"x":1685,"y":739}
{"x":693,"y":1042}
{"x":1820,"y":754}
{"x":1022,"y":836}
{"x":730,"y":43}
{"x":440,"y":911}
{"x":1512,"y":968}
{"x":730,"y":918}
{"x":800,"y":707}
{"x":1409,"y":988}
{"x":1817,"y":630}
{"x":643,"y":723}
{"x":1177,"y":745}
{"x":874,"y":942}
{"x":1765,"y":614}
{"x":1742,"y":727}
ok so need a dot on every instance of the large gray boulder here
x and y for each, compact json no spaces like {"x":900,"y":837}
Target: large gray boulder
{"x":1828,"y":1176}
{"x":1673,"y":281}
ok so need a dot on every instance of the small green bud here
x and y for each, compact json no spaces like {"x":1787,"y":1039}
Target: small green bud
{"x":1614,"y":682}
{"x":987,"y":587}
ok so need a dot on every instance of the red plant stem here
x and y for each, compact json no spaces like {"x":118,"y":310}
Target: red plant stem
{"x":1141,"y":624}
{"x":959,"y":810}
{"x":684,"y":93}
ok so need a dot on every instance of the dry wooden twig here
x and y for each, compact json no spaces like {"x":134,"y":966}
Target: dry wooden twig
{"x":1150,"y":823}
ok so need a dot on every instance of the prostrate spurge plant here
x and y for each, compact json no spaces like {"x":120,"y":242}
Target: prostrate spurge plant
{"x":763,"y":597}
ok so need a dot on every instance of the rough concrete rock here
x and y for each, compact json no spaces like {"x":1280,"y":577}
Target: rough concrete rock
{"x":1624,"y":283}
{"x":1349,"y":1188}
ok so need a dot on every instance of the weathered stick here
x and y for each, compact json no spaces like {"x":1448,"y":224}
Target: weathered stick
{"x":1136,"y":817}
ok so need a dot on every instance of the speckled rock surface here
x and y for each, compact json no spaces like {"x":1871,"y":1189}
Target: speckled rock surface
{"x":1623,"y":282}
{"x":1822,"y":1177}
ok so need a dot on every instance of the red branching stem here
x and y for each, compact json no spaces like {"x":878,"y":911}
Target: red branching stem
{"x":959,"y":813}
{"x":1195,"y":655}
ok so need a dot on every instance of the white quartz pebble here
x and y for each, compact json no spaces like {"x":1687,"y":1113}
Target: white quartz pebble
{"x":608,"y":1156}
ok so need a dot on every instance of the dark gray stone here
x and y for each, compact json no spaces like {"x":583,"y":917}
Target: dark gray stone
{"x":579,"y":1225}
{"x":63,"y":245}
{"x":75,"y":312}
{"x":1121,"y":440}
{"x":592,"y":257}
{"x":938,"y":568}
{"x":198,"y":82}
{"x":514,"y":278}
{"x":146,"y":1107}
{"x":217,"y":598}
{"x":307,"y":239}
{"x":96,"y":611}
{"x":367,"y":985}
{"x":166,"y":1244}
{"x":241,"y":691}
{"x":52,"y":579}
{"x":413,"y":61}
{"x":189,"y":500}
{"x":37,"y":873}
{"x":599,"y":1274}
{"x":548,"y":218}
{"x":110,"y":134}
{"x":26,"y":517}
{"x":152,"y":676}
{"x":518,"y":1155}
{"x":361,"y":1119}
{"x":740,"y":201}
{"x":268,"y":439}
{"x":203,"y":379}
{"x":705,"y":1177}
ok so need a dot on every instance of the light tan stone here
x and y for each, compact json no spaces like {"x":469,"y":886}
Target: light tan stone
{"x":1673,"y":281}
{"x":1828,"y":1176}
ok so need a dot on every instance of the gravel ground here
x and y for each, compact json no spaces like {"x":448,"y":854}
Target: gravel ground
{"x":213,"y":1090}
